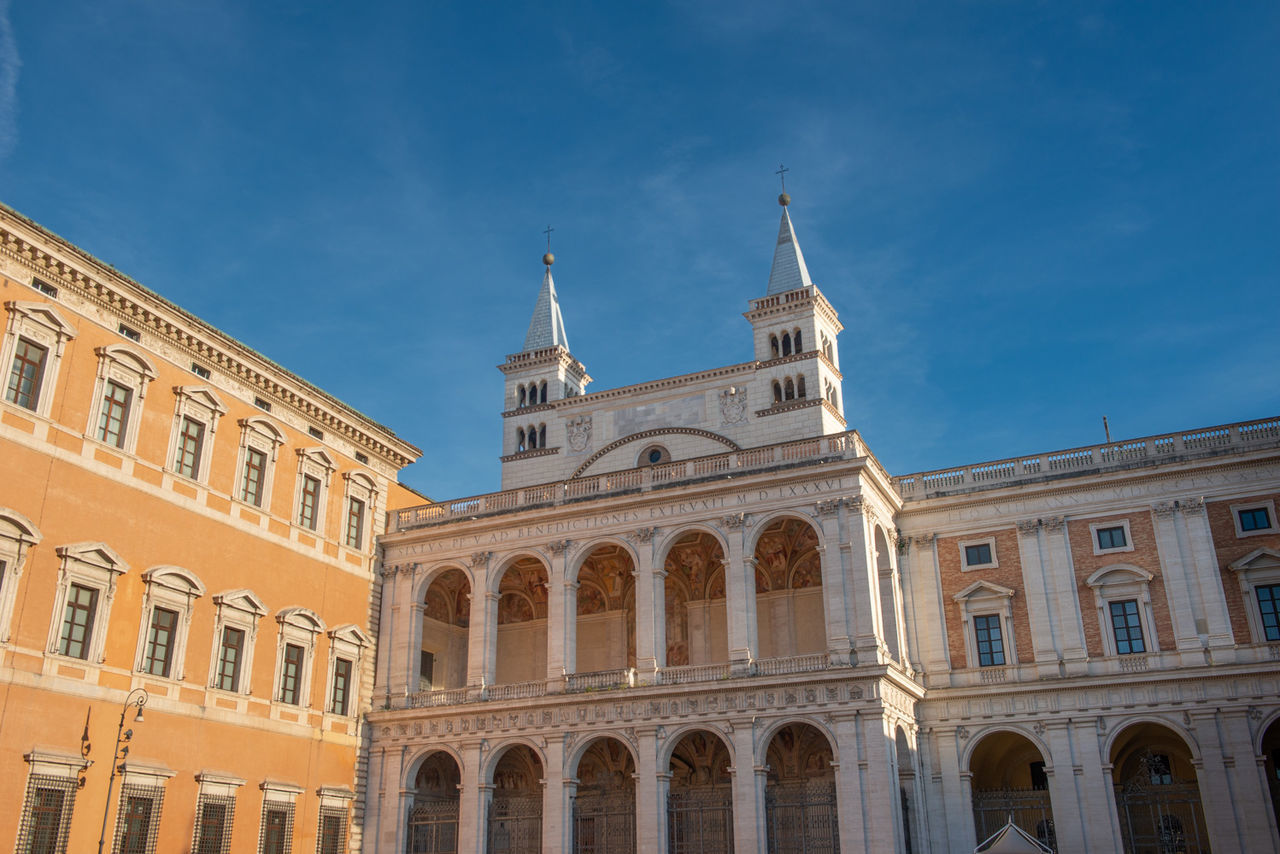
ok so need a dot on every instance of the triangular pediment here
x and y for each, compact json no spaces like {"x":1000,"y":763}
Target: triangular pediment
{"x":202,"y":395}
{"x":351,"y":634}
{"x":242,"y":600}
{"x":1263,"y":558}
{"x":44,"y":314}
{"x":982,"y":590}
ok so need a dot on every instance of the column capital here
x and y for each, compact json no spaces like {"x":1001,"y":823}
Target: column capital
{"x":480,"y":559}
{"x":559,"y":547}
{"x":1027,"y":527}
{"x":642,"y":535}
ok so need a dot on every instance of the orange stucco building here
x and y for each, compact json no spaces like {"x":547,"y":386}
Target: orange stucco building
{"x":180,"y":515}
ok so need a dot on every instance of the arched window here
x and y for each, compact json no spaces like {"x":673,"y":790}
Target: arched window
{"x":799,"y":346}
{"x":520,"y":439}
{"x":773,"y":345}
{"x":777,"y":392}
{"x":786,"y":344}
{"x":533,"y":437}
{"x":789,"y":389}
{"x":542,"y":435}
{"x":800,"y":386}
{"x":542,"y":395}
{"x":521,"y":400}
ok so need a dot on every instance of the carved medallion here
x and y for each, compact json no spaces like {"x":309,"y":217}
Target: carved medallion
{"x":733,"y":405}
{"x":578,"y":433}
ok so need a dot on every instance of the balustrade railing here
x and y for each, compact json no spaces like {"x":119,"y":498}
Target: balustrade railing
{"x":1243,"y":436}
{"x":428,"y":699}
{"x":516,"y":691}
{"x":844,"y":445}
{"x":793,"y":664}
{"x":600,"y":680}
{"x":692,"y":673}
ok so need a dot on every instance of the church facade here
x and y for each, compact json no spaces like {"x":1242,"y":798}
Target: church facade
{"x":701,"y":616}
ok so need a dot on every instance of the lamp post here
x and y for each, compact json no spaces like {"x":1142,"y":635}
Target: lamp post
{"x":137,"y":697}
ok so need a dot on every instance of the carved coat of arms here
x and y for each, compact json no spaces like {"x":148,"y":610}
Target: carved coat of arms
{"x":733,"y":405}
{"x":579,"y":433}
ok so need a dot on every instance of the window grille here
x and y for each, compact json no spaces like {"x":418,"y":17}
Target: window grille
{"x":331,"y":834}
{"x":46,"y":814}
{"x":215,"y":815}
{"x":276,"y":834}
{"x":138,"y":819}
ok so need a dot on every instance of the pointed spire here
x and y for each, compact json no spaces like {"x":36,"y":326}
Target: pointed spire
{"x":546,"y":329}
{"x":789,"y":271}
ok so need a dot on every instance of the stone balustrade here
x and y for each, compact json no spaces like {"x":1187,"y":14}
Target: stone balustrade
{"x":1241,"y":436}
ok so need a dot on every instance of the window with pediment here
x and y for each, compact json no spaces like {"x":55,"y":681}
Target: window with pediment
{"x":315,"y":469}
{"x":17,"y":536}
{"x":82,"y":602}
{"x":35,"y":338}
{"x":195,"y":421}
{"x":359,"y":504}
{"x":1122,"y":596}
{"x":235,"y":633}
{"x":166,"y":618}
{"x":986,"y":617}
{"x":347,"y":645}
{"x":260,"y":439}
{"x":1259,"y":576}
{"x":118,"y":392}
{"x":295,"y":653}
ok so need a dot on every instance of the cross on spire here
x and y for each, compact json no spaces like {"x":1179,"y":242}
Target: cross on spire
{"x":782,"y":176}
{"x":547,"y":232}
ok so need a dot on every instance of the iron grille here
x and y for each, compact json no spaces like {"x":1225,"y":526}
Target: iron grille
{"x":700,"y":820}
{"x":515,"y":825}
{"x":604,"y":824}
{"x":331,"y":831}
{"x":138,"y":819}
{"x":1162,"y":819}
{"x":46,"y":814}
{"x":802,"y":819}
{"x":276,"y":834}
{"x":433,"y":827}
{"x":1029,"y":809}
{"x":215,"y":815}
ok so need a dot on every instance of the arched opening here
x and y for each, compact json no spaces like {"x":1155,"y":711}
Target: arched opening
{"x":1271,"y":764}
{"x":777,"y":392}
{"x":788,"y":389}
{"x":522,"y":398}
{"x":520,"y":439}
{"x":515,"y":814}
{"x":542,"y":435}
{"x":888,"y":595}
{"x":800,"y":391}
{"x":697,"y":613}
{"x":433,"y":818}
{"x":1157,"y":794}
{"x":786,"y":344}
{"x":700,"y":802}
{"x":906,"y":787}
{"x":606,"y":611}
{"x":522,"y":623}
{"x":773,"y":346}
{"x":446,"y":616}
{"x":800,"y":792}
{"x":798,"y":344}
{"x":1009,"y":781}
{"x":604,"y":807}
{"x":542,"y":392}
{"x":533,"y":437}
{"x":789,"y":614}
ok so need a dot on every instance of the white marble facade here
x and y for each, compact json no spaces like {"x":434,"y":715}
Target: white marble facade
{"x":758,"y":638}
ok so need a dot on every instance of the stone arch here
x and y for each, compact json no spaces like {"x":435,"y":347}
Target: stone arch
{"x":426,"y":579}
{"x":890,"y":603}
{"x":663,"y":545}
{"x":976,"y":738}
{"x":1009,"y":778}
{"x":677,"y":734}
{"x":1130,"y":721}
{"x":696,"y":628}
{"x":509,"y":559}
{"x":516,"y":770}
{"x":790,"y":611}
{"x":490,"y":764}
{"x":604,"y":798}
{"x":1154,"y":769}
{"x":800,"y":786}
{"x":584,"y":550}
{"x":649,"y":434}
{"x":418,"y":759}
{"x":700,"y":760}
{"x":520,"y":625}
{"x":1268,"y":749}
{"x":574,"y":756}
{"x":778,"y":724}
{"x":604,"y":611}
{"x":758,"y":526}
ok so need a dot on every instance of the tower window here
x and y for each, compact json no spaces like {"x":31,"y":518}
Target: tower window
{"x":542,"y":394}
{"x":799,"y":346}
{"x":773,"y":345}
{"x":800,"y":386}
{"x":542,"y":436}
{"x":520,"y":402}
{"x":519,"y":439}
{"x":788,"y":389}
{"x":777,"y":392}
{"x":786,"y":344}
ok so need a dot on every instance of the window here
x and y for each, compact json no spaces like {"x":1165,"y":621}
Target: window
{"x":1259,"y":575}
{"x":260,"y":438}
{"x":296,"y":645}
{"x":159,"y":655}
{"x":331,"y":835}
{"x":310,"y":497}
{"x":201,"y":371}
{"x":1269,"y":610}
{"x":315,"y":433}
{"x":990,"y":645}
{"x":315,"y":469}
{"x":50,"y":800}
{"x":26,"y":374}
{"x":115,"y":410}
{"x":190,"y":446}
{"x":361,"y":497}
{"x":17,"y":535}
{"x":129,"y":332}
{"x":44,"y":288}
{"x":355,"y":522}
{"x":77,"y":623}
{"x":214,"y":817}
{"x":34,"y":340}
{"x":1159,"y":769}
{"x":82,"y":602}
{"x":340,"y":693}
{"x":978,"y":554}
{"x":347,"y":645}
{"x":291,"y":673}
{"x":1111,"y":538}
{"x":195,"y":425}
{"x":230,"y":655}
{"x":264,"y":405}
{"x":234,"y":634}
{"x":1039,"y":779}
{"x":1127,"y":626}
{"x":986,"y":618}
{"x":167,"y":606}
{"x":1122,"y":596}
{"x":138,"y":820}
{"x":1256,"y":517}
{"x":276,"y":834}
{"x":426,"y":670}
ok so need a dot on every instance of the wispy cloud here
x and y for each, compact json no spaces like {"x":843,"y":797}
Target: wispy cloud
{"x":9,"y":65}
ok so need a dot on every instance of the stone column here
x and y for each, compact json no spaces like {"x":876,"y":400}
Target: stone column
{"x":835,"y":595}
{"x":484,"y":615}
{"x":1176,"y":567}
{"x":1064,"y":596}
{"x":1069,"y":821}
{"x":473,"y":802}
{"x":1205,"y":580}
{"x":740,"y":592}
{"x":849,"y":789}
{"x":1096,"y":790}
{"x":1046,"y":641}
{"x":1234,"y":805}
{"x":649,"y":602}
{"x":388,"y":628}
{"x":956,"y":790}
{"x":928,"y":614}
{"x":864,"y":587}
{"x":404,"y":802}
{"x":412,"y":657}
{"x":749,"y":833}
{"x":561,"y":617}
{"x":557,"y":799}
{"x":880,"y":785}
{"x":378,"y":834}
{"x":652,"y":784}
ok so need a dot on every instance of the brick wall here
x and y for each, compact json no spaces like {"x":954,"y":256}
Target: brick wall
{"x":1007,"y":574}
{"x":1229,"y":547}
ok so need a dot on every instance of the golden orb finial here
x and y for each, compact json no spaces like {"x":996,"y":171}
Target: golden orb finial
{"x":784,"y":199}
{"x":548,"y":259}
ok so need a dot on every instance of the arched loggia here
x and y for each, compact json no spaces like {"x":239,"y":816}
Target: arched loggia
{"x":1156,"y":790}
{"x":522,"y":623}
{"x":800,"y":792}
{"x":700,"y":800}
{"x":1009,"y":781}
{"x":446,"y":615}
{"x":697,"y":629}
{"x":604,"y":805}
{"x":606,"y":611}
{"x":433,"y":818}
{"x":789,"y":612}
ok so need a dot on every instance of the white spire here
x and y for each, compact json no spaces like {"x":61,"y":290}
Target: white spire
{"x":789,"y":271}
{"x":546,"y":329}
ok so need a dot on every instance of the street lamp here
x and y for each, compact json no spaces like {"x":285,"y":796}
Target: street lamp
{"x":137,"y":697}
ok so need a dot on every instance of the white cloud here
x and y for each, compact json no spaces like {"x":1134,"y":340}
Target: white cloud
{"x":9,"y":65}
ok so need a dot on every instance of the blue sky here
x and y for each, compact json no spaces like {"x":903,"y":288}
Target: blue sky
{"x":1029,"y":215}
